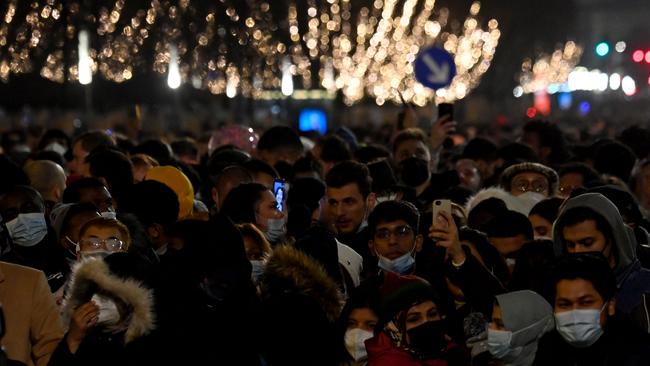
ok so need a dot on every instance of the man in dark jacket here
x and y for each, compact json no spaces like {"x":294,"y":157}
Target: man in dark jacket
{"x":591,"y":223}
{"x":588,"y":328}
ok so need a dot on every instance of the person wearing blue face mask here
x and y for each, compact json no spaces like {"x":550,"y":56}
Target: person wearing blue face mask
{"x":23,"y":213}
{"x":519,"y":320}
{"x":588,"y":330}
{"x":395,"y":239}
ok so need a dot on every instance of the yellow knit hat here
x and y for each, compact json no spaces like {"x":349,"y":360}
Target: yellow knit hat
{"x":178,"y":182}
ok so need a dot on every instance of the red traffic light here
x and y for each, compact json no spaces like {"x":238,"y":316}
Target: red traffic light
{"x":638,"y":55}
{"x":647,"y":57}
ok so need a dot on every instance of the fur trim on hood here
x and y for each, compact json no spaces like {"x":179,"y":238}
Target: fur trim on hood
{"x":92,"y":276}
{"x":290,"y":270}
{"x":522,"y":205}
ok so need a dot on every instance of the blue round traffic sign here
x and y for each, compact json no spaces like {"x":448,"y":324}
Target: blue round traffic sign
{"x":435,"y":68}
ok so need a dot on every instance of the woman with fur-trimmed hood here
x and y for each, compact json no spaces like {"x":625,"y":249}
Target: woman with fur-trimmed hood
{"x":110,"y":311}
{"x":301,"y":305}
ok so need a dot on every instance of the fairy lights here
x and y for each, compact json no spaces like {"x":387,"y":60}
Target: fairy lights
{"x":548,"y":70}
{"x":255,"y":49}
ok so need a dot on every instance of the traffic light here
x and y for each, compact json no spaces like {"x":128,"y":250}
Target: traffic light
{"x":602,"y":49}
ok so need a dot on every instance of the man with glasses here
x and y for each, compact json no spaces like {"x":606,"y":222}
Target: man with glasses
{"x":395,"y":241}
{"x":523,"y":178}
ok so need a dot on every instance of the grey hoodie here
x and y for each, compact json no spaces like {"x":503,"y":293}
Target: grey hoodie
{"x":624,"y":240}
{"x":528,"y":316}
{"x":632,"y":280}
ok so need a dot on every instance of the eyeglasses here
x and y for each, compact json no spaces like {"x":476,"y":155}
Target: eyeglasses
{"x":401,"y":232}
{"x":537,"y":185}
{"x":111,"y":244}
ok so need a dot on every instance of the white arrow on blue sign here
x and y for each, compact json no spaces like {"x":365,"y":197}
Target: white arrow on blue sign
{"x":435,"y":68}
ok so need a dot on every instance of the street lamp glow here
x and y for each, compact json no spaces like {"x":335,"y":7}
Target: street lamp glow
{"x":614,"y":81}
{"x":628,"y":85}
{"x":287,"y":79}
{"x":85,"y":62}
{"x":174,"y":75}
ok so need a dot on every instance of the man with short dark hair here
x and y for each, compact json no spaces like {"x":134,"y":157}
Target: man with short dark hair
{"x":90,"y":190}
{"x":330,"y":150}
{"x":279,"y":143}
{"x":508,"y":232}
{"x":588,"y":330}
{"x":349,"y":201}
{"x":83,"y":145}
{"x":591,"y":223}
{"x":394,"y":236}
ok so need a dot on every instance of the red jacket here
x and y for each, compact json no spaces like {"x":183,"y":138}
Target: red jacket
{"x":382,"y":352}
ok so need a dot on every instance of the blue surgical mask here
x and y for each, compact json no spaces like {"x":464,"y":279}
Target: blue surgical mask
{"x":579,"y":328}
{"x":499,"y":344}
{"x":276,"y":230}
{"x":28,"y":229}
{"x":258,"y":267}
{"x":401,"y":265}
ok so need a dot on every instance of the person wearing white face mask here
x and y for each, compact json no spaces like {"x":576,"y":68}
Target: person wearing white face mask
{"x":257,"y":249}
{"x":254,"y":203}
{"x":101,"y":237}
{"x":110,"y":311}
{"x":519,"y":320}
{"x":357,"y":322}
{"x":22,"y":211}
{"x":587,"y":329}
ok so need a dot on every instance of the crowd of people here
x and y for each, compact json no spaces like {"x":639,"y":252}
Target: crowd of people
{"x":302,"y":250}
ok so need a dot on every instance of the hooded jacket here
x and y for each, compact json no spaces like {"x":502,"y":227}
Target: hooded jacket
{"x":301,"y":305}
{"x":528,"y":316}
{"x":632,"y":280}
{"x":114,"y":343}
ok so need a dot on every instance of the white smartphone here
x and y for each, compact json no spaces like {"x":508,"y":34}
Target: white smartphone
{"x":439,"y":206}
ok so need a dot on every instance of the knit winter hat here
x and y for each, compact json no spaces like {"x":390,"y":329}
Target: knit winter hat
{"x":179,"y":183}
{"x":512,"y":171}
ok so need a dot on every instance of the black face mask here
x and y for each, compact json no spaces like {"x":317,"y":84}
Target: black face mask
{"x":428,"y":340}
{"x":414,"y":171}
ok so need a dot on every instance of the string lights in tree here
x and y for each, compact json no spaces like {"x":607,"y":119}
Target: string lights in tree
{"x":254,"y":48}
{"x":547,"y":70}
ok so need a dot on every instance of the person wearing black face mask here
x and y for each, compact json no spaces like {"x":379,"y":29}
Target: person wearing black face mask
{"x":412,"y":330}
{"x":415,"y":165}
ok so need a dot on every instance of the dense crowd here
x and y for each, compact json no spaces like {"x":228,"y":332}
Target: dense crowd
{"x":285,"y":249}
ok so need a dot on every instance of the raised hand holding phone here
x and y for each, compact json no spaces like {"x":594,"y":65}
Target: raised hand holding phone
{"x":444,"y":231}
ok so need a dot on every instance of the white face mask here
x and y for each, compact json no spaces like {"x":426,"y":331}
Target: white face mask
{"x":108,"y":215}
{"x":258,"y":269}
{"x":99,"y":254}
{"x":56,"y":147}
{"x":108,"y":313}
{"x":355,"y":343}
{"x":28,"y":229}
{"x":276,"y":230}
{"x":579,"y":328}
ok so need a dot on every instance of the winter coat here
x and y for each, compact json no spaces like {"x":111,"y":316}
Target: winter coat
{"x":301,"y":305}
{"x":632,"y":281}
{"x":124,"y":343}
{"x":382,"y":352}
{"x":33,"y":325}
{"x":620,"y":345}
